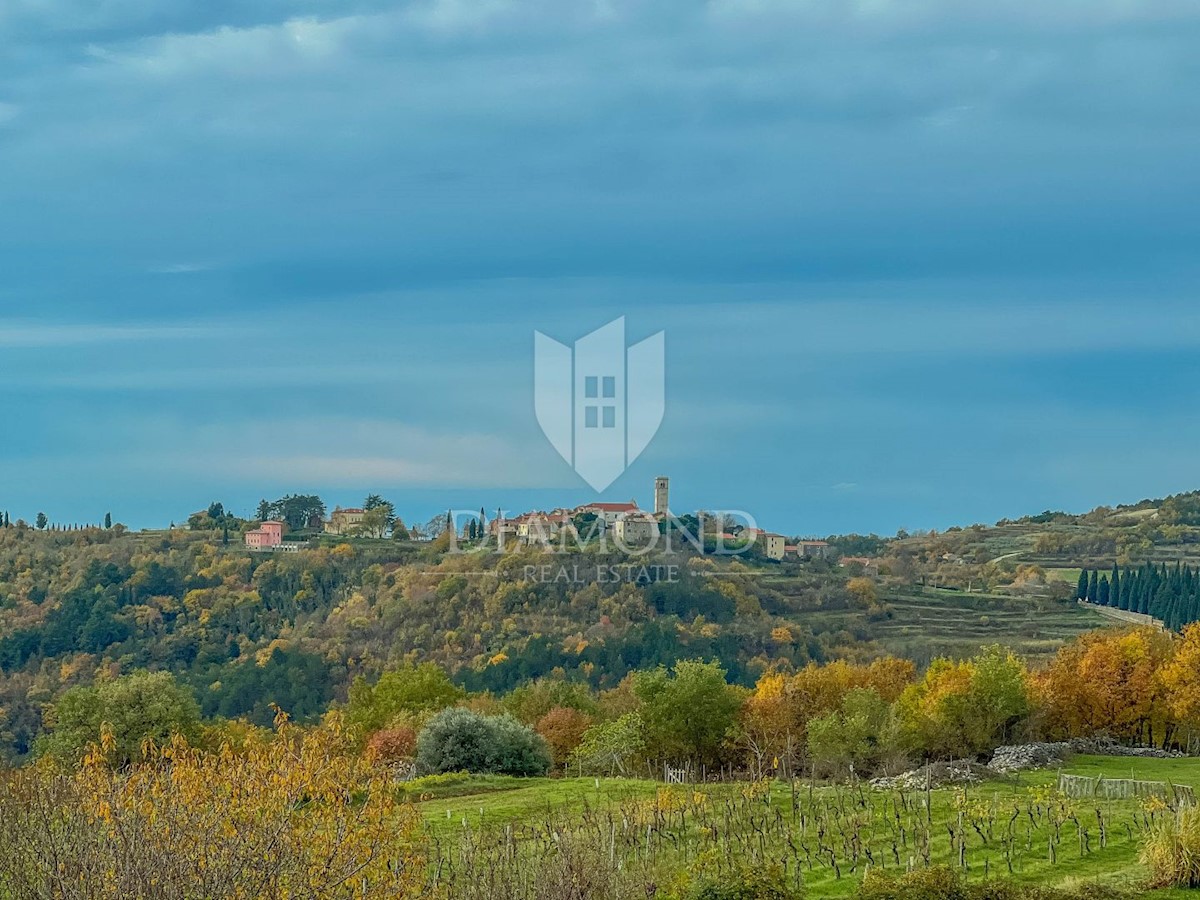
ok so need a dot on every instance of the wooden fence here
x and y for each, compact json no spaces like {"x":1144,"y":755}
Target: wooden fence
{"x":1083,"y":786}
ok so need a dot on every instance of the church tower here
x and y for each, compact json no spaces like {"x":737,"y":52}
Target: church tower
{"x":662,"y":487}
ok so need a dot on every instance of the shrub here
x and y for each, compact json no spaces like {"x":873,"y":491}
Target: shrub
{"x":1172,"y":851}
{"x":516,"y":749}
{"x":769,"y":884}
{"x":936,"y":883}
{"x":944,"y":883}
{"x":458,"y":740}
{"x":392,"y":745}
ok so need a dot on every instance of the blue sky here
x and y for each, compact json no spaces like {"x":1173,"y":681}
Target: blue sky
{"x":919,"y":262}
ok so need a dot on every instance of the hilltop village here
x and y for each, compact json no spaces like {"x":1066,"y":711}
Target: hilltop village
{"x":626,"y":523}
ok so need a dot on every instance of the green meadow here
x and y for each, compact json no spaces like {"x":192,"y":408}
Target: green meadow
{"x":825,"y":836}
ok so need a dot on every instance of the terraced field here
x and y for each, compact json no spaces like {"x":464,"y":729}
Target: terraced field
{"x":940,"y":622}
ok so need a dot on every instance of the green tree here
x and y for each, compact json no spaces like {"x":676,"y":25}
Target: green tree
{"x":375,"y":521}
{"x":144,"y":705}
{"x":297,"y":510}
{"x":41,"y":521}
{"x":107,"y":520}
{"x":405,"y":691}
{"x":1081,"y":589}
{"x":966,"y":708}
{"x":531,"y":701}
{"x":689,"y":712}
{"x":374,"y":503}
{"x":264,"y":511}
{"x":858,"y":734}
{"x":609,"y":748}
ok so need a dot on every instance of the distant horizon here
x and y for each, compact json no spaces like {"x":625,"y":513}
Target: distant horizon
{"x":248,"y":511}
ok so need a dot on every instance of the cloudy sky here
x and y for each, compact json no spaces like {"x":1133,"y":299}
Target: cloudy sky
{"x":918,"y":262}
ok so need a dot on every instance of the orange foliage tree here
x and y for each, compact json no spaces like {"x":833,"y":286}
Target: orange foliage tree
{"x":563,"y":729}
{"x":1108,"y":683}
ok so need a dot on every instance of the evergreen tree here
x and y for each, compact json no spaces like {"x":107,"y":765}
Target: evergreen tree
{"x":1093,"y":593}
{"x":108,"y":520}
{"x":1082,"y":588}
{"x":1114,"y":587}
{"x":1102,"y":591}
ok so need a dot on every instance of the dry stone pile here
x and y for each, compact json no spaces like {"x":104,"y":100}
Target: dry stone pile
{"x":960,"y":771}
{"x":1020,"y":757}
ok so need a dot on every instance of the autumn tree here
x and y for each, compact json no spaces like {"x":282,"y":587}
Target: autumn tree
{"x":1107,"y":682}
{"x":295,"y":816}
{"x":862,"y":589}
{"x":563,"y":729}
{"x":968,"y":707}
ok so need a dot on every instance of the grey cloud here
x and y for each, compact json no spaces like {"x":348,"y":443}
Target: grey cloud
{"x":500,"y":138}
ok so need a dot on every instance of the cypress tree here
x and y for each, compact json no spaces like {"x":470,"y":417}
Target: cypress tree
{"x":1114,"y":587}
{"x":1093,"y":588}
{"x":1081,"y":589}
{"x":1102,"y":591}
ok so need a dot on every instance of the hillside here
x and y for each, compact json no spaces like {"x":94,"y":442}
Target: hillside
{"x":246,"y":630}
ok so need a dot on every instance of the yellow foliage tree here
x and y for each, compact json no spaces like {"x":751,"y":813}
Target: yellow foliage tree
{"x":296,"y":816}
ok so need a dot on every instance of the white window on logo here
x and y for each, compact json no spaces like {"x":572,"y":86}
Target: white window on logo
{"x":595,"y":415}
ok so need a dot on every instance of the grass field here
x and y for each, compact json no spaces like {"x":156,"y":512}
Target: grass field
{"x":1015,"y":827}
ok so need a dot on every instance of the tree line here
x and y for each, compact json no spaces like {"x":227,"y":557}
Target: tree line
{"x":1138,"y":686}
{"x":1170,"y":594}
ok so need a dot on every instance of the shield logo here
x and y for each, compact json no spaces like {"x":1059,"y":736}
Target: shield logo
{"x":600,"y":403}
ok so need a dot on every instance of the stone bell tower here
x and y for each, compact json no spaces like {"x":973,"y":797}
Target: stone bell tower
{"x":662,"y":488}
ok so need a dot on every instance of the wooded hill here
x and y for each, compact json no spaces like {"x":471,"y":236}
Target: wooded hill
{"x":247,"y":630}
